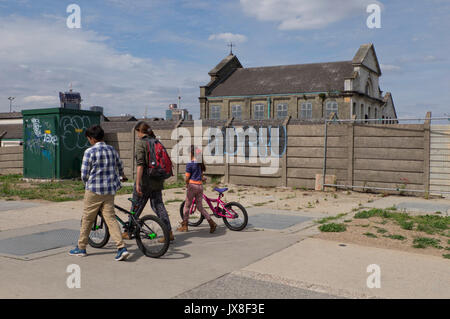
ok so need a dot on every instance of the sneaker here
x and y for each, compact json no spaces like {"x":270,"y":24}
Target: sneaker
{"x":78,"y":252}
{"x":122,"y":254}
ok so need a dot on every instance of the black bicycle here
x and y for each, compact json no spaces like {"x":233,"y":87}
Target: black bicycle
{"x":151,"y":234}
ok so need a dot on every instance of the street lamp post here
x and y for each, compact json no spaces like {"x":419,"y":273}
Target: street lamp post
{"x":11,"y":98}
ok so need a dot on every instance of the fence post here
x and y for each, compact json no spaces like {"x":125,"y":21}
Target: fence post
{"x":225,"y":156}
{"x":133,"y":152}
{"x":284,"y":158}
{"x":426,"y":151}
{"x":351,"y":151}
{"x":176,"y":166}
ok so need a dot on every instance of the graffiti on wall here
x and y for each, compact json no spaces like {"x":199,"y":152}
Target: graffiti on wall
{"x":39,"y":137}
{"x":71,"y":128}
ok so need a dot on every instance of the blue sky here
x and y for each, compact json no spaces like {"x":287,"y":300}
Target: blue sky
{"x":129,"y":55}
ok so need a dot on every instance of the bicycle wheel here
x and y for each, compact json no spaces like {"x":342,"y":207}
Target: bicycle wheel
{"x":149,"y":234}
{"x":240,"y":218}
{"x":99,"y":235}
{"x":195,"y":219}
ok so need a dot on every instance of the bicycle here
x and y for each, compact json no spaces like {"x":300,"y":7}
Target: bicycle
{"x":230,"y":212}
{"x":147,"y":231}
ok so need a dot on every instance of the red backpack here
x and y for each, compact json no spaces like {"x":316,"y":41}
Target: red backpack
{"x":159,"y":163}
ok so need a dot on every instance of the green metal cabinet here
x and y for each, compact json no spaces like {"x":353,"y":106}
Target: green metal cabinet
{"x":54,"y":141}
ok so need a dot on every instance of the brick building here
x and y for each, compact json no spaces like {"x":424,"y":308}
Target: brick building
{"x":303,"y":91}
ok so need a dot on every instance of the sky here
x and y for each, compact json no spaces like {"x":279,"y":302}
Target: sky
{"x":137,"y":56}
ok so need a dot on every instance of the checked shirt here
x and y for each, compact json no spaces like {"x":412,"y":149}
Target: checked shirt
{"x":101,"y":169}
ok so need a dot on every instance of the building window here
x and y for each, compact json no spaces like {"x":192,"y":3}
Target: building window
{"x":236,"y":111}
{"x":282,"y":110}
{"x":306,"y":111}
{"x":215,"y":112}
{"x":331,"y":107}
{"x":354,"y":109}
{"x":368,"y":89}
{"x":376,"y":114}
{"x":258,"y":112}
{"x":361,"y":114}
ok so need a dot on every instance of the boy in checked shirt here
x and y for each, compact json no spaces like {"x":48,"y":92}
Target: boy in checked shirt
{"x":100,"y":171}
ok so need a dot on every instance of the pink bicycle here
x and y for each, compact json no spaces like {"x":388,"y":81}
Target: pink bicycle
{"x":233,"y":214}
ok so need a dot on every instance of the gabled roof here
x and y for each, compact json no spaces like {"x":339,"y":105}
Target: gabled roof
{"x":224,"y":62}
{"x":300,"y":78}
{"x":361,"y":55}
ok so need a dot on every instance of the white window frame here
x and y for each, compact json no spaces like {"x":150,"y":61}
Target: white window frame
{"x":331,"y":106}
{"x":236,"y":111}
{"x":306,"y":110}
{"x":257,"y":109}
{"x":215,"y":110}
{"x":284,"y":110}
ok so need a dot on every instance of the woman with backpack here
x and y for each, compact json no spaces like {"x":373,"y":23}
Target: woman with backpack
{"x":147,"y":187}
{"x":194,"y":183}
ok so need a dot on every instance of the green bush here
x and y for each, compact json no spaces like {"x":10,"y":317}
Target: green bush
{"x":332,"y":227}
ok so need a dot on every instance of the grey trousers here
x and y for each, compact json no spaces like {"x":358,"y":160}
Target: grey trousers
{"x":156,"y":203}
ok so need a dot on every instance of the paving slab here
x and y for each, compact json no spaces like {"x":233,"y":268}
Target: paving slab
{"x":6,"y":205}
{"x":329,"y":267}
{"x":233,"y":286}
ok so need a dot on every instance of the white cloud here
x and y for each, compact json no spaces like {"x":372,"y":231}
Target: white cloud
{"x":39,"y":58}
{"x":228,"y":37}
{"x":41,"y":99}
{"x":305,"y":14}
{"x":389,"y":67}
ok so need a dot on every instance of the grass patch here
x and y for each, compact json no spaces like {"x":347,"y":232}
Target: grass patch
{"x":407,"y":225}
{"x":447,"y":256}
{"x":381,"y":230}
{"x":327,"y":219}
{"x":12,"y":187}
{"x":332,"y":227}
{"x":429,"y":224}
{"x":396,"y":237}
{"x":424,"y":242}
{"x":370,"y":235}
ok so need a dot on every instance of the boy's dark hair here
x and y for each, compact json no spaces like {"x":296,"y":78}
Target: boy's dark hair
{"x":96,"y":132}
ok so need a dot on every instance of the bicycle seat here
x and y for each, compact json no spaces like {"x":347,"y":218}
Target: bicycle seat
{"x":220,"y":190}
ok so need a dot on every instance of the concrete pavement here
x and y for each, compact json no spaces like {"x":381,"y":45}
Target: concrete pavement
{"x":260,"y":262}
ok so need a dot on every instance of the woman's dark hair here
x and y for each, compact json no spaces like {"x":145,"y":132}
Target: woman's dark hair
{"x":96,"y":132}
{"x":144,"y":128}
{"x":197,"y":154}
